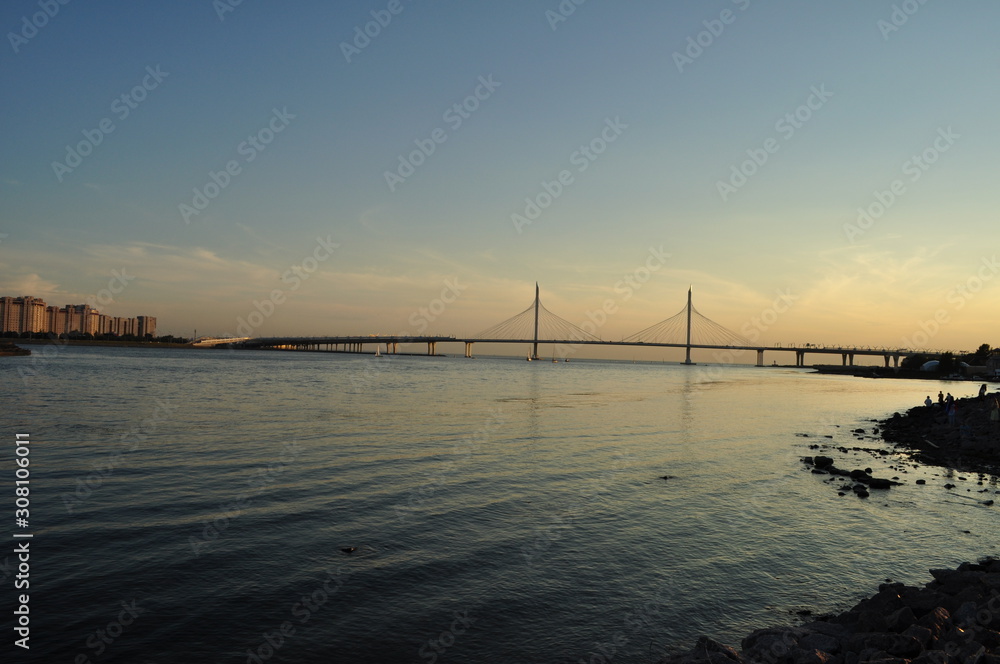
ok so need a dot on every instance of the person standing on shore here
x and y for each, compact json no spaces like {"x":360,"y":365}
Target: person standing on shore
{"x":982,"y":391}
{"x":952,"y":411}
{"x":928,"y":402}
{"x":995,"y":416}
{"x":940,"y":398}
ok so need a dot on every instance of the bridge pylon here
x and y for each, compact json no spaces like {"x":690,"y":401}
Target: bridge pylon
{"x":534,"y":347}
{"x":687,"y":353}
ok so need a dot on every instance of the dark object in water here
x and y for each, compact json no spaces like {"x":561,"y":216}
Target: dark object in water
{"x":11,"y":349}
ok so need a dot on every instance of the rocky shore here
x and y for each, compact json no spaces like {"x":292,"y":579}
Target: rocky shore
{"x":952,"y":619}
{"x":971,"y":443}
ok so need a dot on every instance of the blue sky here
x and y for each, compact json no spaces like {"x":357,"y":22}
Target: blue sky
{"x":929,"y":87}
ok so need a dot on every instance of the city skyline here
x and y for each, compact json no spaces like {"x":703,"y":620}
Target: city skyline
{"x":391,"y":167}
{"x":32,"y":315}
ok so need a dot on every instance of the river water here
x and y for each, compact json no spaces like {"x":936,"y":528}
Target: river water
{"x":196,"y":505}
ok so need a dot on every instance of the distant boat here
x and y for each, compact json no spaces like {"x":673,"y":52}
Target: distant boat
{"x":378,"y":352}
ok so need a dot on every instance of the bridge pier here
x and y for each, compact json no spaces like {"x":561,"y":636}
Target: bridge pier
{"x":760,"y":358}
{"x":847,"y":359}
{"x":395,"y":347}
{"x":800,"y":358}
{"x":432,"y":348}
{"x":468,"y":349}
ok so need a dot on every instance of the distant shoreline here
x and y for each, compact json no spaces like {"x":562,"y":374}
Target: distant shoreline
{"x":883,"y":372}
{"x":96,"y":342}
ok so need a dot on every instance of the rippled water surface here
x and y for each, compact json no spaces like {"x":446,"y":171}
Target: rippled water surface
{"x":499,"y":510}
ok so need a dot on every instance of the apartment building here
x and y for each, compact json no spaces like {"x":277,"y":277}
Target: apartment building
{"x":31,"y":314}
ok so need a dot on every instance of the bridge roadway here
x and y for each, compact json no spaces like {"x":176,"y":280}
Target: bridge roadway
{"x":356,"y":344}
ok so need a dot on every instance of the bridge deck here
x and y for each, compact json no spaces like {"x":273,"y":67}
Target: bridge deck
{"x":273,"y":342}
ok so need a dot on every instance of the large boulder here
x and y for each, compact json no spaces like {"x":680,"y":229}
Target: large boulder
{"x":938,"y":621}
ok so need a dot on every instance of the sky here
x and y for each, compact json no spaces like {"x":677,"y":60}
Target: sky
{"x":817,"y":172}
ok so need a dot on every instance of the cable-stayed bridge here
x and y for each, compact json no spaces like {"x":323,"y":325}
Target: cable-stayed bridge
{"x":687,"y":329}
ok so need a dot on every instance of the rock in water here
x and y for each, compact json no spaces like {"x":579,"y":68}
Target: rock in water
{"x":822,"y":461}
